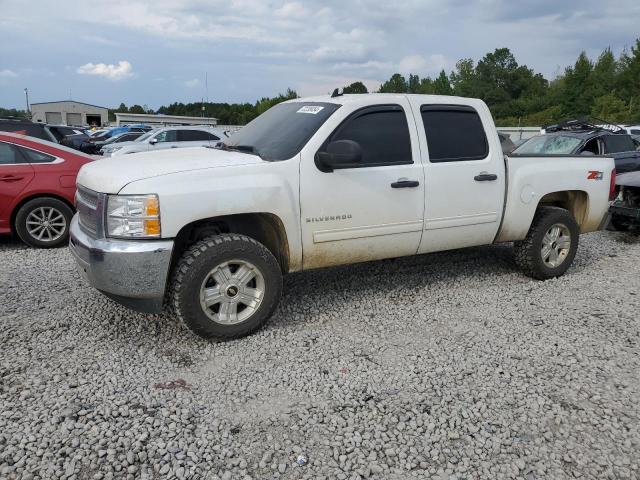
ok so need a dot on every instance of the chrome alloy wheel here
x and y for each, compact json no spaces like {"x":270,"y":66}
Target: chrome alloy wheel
{"x":46,"y":224}
{"x":232,"y":292}
{"x":556,"y":245}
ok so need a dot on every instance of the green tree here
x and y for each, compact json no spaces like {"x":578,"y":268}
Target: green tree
{"x":356,"y":87}
{"x":413,"y":85}
{"x":577,"y":100}
{"x":610,"y":108}
{"x":463,"y":79}
{"x":441,"y":85}
{"x":12,"y":112}
{"x":396,"y":84}
{"x":136,"y":109}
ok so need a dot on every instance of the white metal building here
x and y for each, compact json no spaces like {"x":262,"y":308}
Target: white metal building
{"x":153,"y":119}
{"x":69,"y":112}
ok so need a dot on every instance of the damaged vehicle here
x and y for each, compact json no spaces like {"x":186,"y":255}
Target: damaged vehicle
{"x":579,"y":137}
{"x":625,"y":210}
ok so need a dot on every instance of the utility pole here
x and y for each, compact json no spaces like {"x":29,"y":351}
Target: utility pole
{"x":206,"y":88}
{"x":26,"y":94}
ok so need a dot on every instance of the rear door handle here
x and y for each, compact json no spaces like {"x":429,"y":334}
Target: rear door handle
{"x":11,"y":178}
{"x":403,"y":183}
{"x":485,"y":177}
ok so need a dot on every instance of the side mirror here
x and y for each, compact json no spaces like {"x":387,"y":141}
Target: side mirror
{"x":339,"y":154}
{"x":153,"y":141}
{"x":587,"y":153}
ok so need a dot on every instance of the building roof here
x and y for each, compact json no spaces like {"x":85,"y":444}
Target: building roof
{"x":70,"y":101}
{"x":161,"y":117}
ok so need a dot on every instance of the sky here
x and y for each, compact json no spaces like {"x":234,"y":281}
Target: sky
{"x":156,"y":52}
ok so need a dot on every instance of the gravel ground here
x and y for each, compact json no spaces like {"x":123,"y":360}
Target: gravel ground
{"x":448,"y":366}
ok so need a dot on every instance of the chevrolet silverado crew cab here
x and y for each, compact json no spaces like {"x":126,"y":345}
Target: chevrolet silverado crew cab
{"x":317,"y":182}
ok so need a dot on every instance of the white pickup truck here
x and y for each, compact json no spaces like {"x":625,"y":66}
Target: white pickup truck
{"x":316,"y":182}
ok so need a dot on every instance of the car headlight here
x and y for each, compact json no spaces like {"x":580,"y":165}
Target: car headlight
{"x":133,"y":216}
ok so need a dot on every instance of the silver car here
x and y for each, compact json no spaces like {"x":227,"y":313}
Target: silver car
{"x":168,"y":137}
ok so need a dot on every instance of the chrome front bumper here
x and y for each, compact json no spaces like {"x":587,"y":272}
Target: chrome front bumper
{"x":132,"y":272}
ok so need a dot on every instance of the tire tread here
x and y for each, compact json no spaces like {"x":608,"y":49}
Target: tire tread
{"x":191,"y":255}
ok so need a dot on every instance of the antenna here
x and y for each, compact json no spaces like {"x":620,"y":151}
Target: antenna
{"x":206,"y":85}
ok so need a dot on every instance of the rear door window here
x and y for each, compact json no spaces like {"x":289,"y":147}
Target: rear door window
{"x":34,"y":156}
{"x":618,"y":143}
{"x":454,"y":133}
{"x":9,"y":154}
{"x":166,"y":136}
{"x":192,"y":136}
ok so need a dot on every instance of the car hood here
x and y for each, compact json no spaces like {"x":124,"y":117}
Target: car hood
{"x":110,"y":175}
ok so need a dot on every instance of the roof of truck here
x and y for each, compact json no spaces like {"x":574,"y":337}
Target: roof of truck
{"x":359,"y":97}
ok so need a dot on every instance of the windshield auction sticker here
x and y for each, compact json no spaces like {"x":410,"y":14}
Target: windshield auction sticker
{"x":313,"y":109}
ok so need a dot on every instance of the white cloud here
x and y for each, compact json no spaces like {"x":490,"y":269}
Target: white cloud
{"x":291,"y":10}
{"x":99,"y":40}
{"x":417,"y":64}
{"x":412,"y":64}
{"x":253,"y":48}
{"x":194,"y":82}
{"x":113,"y":72}
{"x":6,"y":73}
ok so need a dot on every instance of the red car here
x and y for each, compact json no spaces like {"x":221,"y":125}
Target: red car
{"x":37,"y":189}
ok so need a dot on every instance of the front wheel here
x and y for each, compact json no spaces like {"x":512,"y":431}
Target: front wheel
{"x":550,"y":246}
{"x":226,"y":286}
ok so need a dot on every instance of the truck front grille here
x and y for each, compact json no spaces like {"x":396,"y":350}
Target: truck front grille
{"x":89,"y":206}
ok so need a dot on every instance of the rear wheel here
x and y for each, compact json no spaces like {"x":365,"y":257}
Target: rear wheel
{"x":44,"y":222}
{"x":226,"y":286}
{"x":550,"y":246}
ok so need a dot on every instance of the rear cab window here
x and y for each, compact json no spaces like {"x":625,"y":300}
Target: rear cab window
{"x":454,"y":133}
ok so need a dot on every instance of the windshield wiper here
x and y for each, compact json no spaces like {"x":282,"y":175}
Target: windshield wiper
{"x":250,"y":149}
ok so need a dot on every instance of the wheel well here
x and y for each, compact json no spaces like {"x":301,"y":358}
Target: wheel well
{"x":575,"y":201}
{"x":266,"y":228}
{"x":12,"y":220}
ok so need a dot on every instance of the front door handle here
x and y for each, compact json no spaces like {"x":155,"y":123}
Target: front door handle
{"x":404,"y":183}
{"x":485,"y":177}
{"x":10,"y":178}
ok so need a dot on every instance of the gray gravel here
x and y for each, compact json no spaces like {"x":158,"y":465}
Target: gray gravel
{"x":448,"y":366}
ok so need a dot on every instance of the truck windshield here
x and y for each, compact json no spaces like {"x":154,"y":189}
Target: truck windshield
{"x":550,"y":144}
{"x":282,"y":131}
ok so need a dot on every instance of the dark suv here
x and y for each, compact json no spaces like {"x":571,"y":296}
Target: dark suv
{"x":577,"y":137}
{"x":51,"y":133}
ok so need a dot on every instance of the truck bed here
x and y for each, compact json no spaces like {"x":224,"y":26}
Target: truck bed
{"x":581,"y":178}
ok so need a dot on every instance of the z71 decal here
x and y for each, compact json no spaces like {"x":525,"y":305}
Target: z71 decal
{"x":595,"y":175}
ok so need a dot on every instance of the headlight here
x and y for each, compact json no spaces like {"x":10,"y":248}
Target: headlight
{"x":133,"y":216}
